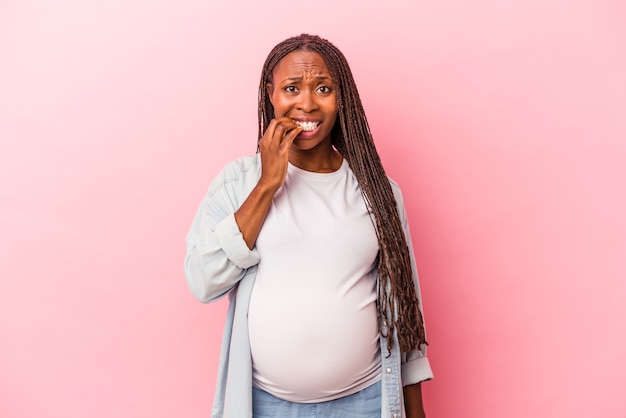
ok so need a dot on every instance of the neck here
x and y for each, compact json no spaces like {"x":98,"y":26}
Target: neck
{"x":323,"y":160}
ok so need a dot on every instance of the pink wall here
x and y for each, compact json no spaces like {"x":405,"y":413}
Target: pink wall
{"x":503,"y":121}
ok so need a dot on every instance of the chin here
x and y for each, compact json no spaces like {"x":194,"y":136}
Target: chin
{"x":302,"y":147}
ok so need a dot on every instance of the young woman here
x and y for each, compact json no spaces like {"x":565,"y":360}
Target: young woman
{"x":310,"y":240}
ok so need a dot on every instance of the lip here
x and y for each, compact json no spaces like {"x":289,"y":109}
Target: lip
{"x":305,"y":119}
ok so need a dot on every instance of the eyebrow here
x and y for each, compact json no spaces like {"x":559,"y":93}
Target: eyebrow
{"x":296,"y":79}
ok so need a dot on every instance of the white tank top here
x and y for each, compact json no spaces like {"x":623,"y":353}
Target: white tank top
{"x":312,"y":316}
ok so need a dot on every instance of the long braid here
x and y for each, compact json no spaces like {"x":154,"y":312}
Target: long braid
{"x":351,"y":136}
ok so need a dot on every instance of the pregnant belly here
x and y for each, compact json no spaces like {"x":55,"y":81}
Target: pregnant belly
{"x":310,"y":345}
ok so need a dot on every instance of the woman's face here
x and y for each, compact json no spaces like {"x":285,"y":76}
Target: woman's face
{"x":302,"y":90}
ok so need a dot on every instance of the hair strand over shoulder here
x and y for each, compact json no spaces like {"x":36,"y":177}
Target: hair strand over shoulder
{"x":351,"y":136}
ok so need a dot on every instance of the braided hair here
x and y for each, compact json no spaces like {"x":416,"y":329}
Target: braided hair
{"x":397,"y":300}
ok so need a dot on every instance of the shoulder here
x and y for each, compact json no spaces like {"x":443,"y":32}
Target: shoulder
{"x":241,"y":167}
{"x":397,"y":192}
{"x":240,"y":171}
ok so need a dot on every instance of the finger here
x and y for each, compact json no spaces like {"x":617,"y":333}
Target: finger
{"x":285,"y":120}
{"x":270,"y":131}
{"x":290,"y":137}
{"x":278,"y":129}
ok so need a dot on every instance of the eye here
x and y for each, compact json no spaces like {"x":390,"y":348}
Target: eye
{"x":323,"y":89}
{"x":290,"y":89}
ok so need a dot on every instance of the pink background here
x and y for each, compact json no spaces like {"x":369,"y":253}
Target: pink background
{"x":503,"y":121}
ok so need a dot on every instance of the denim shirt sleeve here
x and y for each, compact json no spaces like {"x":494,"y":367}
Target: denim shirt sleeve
{"x":217,"y":255}
{"x":415,"y":364}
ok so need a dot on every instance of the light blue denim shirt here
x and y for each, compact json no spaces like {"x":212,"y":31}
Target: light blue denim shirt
{"x":218,"y":262}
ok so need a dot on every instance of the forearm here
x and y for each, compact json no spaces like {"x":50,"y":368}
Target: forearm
{"x":274,"y":149}
{"x":413,"y":401}
{"x":251,"y":215}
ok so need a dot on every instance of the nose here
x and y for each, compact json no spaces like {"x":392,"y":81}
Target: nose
{"x":306,"y":101}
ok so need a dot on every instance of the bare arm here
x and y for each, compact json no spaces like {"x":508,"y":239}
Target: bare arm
{"x":274,"y":148}
{"x":413,"y":401}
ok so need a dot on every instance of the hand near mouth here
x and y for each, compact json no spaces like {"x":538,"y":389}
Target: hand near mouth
{"x":274,"y":148}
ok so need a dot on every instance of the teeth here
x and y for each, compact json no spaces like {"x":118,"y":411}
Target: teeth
{"x":307,"y":126}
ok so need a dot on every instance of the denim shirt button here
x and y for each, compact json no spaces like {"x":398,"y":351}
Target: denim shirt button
{"x":388,"y":369}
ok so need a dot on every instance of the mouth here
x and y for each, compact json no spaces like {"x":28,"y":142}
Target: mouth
{"x":307,"y":126}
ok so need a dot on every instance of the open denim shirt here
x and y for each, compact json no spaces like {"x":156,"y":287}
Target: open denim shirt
{"x":218,"y":262}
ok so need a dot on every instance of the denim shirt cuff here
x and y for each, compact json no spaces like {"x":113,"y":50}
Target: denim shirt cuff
{"x":415,"y":371}
{"x":232,"y":242}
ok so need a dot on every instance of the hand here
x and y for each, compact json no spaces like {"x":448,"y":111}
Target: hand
{"x":274,"y":148}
